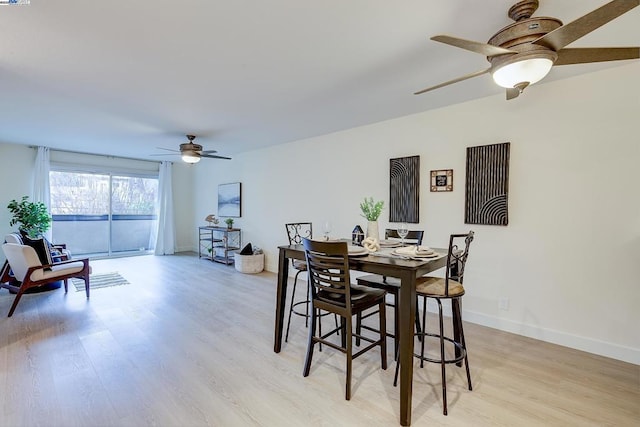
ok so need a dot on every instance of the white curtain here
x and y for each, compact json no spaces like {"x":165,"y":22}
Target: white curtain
{"x":166,"y":232}
{"x":40,"y":191}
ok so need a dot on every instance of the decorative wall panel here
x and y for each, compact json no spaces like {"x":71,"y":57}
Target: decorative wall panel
{"x":487,"y":184}
{"x":404,"y":189}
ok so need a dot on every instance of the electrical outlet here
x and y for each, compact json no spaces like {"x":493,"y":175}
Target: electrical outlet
{"x":503,"y":304}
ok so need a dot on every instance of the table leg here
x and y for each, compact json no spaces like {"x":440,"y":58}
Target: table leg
{"x":281,"y":297}
{"x":407,"y":309}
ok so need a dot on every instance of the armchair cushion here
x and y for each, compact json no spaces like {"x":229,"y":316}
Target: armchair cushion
{"x":21,"y":258}
{"x":57,"y":270}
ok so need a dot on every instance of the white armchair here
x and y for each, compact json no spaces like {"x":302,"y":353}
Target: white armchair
{"x":24,"y":270}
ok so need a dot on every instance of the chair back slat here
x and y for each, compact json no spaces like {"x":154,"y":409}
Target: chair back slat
{"x":457,"y":257}
{"x":415,"y":236}
{"x":328,"y":269}
{"x":296,"y":231}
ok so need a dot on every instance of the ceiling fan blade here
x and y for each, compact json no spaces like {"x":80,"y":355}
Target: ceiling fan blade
{"x":477,"y":47}
{"x":459,"y":79}
{"x":208,"y":151}
{"x":560,"y":37}
{"x":167,"y":154}
{"x":512,"y":93}
{"x":168,"y":149}
{"x":596,"y":54}
{"x":213,"y":156}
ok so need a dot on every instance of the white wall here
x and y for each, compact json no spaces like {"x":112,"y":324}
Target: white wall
{"x":567,"y":261}
{"x":16,"y":171}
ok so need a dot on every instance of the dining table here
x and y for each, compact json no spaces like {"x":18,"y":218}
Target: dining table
{"x":404,"y":268}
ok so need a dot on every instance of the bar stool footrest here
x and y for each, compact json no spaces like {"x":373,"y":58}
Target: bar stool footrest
{"x":293,"y":310}
{"x":458,"y":359}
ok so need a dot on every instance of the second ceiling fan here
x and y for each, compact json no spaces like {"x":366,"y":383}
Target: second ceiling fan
{"x":522,"y":53}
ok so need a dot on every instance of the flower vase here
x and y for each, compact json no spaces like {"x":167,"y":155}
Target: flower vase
{"x":372,"y":230}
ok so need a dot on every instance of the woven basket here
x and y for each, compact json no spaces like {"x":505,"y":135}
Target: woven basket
{"x":250,"y":264}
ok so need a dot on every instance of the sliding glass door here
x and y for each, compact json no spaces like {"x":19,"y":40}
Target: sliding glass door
{"x":103,"y":214}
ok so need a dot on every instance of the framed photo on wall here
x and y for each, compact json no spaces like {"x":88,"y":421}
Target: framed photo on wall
{"x":442,"y":180}
{"x":230,"y":200}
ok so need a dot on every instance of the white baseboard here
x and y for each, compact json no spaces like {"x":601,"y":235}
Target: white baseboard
{"x":590,"y":345}
{"x":186,"y":249}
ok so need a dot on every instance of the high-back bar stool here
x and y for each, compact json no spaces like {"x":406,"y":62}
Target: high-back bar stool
{"x":447,"y":288}
{"x":296,"y":232}
{"x":331,"y":291}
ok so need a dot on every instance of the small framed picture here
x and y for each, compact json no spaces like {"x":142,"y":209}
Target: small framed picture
{"x":442,"y":180}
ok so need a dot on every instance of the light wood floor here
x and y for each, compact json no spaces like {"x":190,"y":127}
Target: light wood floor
{"x":189,"y":343}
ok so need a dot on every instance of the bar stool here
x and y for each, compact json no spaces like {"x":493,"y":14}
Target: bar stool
{"x":296,"y":232}
{"x":331,"y":291}
{"x":447,"y":288}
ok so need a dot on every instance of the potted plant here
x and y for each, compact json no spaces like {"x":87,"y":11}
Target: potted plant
{"x":229,"y":222}
{"x":371,"y":210}
{"x":32,"y":217}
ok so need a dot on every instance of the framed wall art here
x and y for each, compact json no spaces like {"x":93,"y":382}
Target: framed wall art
{"x":404,"y":189}
{"x":230,"y":200}
{"x":442,"y":180}
{"x":487,"y":185}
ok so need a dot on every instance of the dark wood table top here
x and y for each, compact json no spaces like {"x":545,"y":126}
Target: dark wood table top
{"x":387,"y":265}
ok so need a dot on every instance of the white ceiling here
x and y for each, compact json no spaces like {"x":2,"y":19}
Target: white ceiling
{"x":123,"y":77}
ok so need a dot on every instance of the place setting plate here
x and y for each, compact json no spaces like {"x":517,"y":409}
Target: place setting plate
{"x":357,"y":251}
{"x":390,"y":244}
{"x":422,"y":254}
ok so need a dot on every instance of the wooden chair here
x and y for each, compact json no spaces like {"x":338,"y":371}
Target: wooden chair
{"x":389,"y":284}
{"x":331,"y":291}
{"x":447,"y":288}
{"x":23,"y":270}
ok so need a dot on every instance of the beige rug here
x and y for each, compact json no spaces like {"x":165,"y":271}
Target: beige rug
{"x":104,"y":280}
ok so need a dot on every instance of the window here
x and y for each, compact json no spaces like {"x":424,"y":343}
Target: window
{"x":103,"y":214}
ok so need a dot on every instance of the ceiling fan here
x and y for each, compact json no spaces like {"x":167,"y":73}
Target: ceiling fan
{"x":192,"y":153}
{"x":522,"y":53}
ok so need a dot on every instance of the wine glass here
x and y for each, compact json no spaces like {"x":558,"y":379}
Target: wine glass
{"x":327,"y":229}
{"x":403,"y":230}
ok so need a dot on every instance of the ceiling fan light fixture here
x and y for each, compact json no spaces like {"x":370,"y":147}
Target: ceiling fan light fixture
{"x":190,"y":158}
{"x":528,"y":70}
